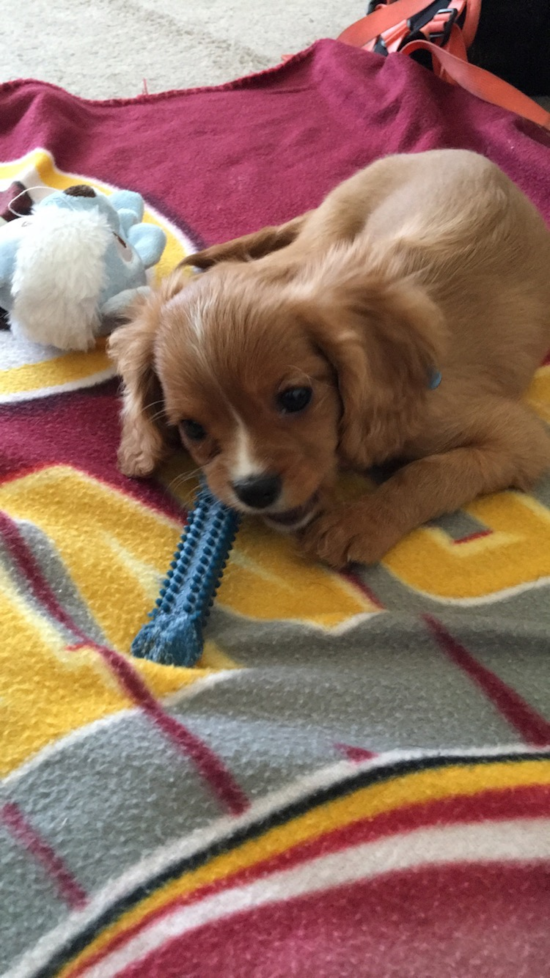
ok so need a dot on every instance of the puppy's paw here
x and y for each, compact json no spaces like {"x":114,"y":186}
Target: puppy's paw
{"x":349,"y":534}
{"x":140,"y":453}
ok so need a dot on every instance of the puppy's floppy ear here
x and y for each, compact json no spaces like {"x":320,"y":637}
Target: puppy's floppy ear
{"x":145,"y":437}
{"x":250,"y":246}
{"x":171,"y":285}
{"x":385,"y":342}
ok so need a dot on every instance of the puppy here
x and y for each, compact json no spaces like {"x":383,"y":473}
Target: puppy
{"x":402,"y":319}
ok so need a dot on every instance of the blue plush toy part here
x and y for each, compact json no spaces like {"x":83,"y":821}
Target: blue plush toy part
{"x":134,"y":246}
{"x":10,"y":240}
{"x":174,"y":636}
{"x":74,"y":265}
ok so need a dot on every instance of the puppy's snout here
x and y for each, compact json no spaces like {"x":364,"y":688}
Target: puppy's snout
{"x":260,"y":491}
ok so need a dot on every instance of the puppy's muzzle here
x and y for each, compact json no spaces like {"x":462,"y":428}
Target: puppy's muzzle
{"x":258,"y":492}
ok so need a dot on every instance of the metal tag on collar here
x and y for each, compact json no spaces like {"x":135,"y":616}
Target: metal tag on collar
{"x":434,"y":379}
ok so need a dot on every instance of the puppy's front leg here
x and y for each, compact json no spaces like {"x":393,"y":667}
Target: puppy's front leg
{"x":364,"y":531}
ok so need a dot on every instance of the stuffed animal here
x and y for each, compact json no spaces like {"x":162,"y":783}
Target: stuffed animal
{"x":72,"y":267}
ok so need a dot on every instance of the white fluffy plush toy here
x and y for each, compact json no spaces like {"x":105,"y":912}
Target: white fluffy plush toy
{"x":74,"y":265}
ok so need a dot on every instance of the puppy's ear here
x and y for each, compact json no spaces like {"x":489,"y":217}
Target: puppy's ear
{"x":171,"y":285}
{"x":249,"y":247}
{"x":145,"y":438}
{"x":385,"y":342}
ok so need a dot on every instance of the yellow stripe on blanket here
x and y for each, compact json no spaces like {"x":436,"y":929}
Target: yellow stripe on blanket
{"x":538,"y":395}
{"x":268,"y":579}
{"x":64,"y":689}
{"x":514,"y":555}
{"x":62,"y":372}
{"x":113,"y":548}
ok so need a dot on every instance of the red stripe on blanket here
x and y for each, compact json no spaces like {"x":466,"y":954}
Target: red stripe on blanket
{"x":29,"y":568}
{"x":353,"y":578}
{"x":206,"y":761}
{"x":210,"y":766}
{"x":531,"y":726}
{"x":353,"y":753}
{"x":21,"y":830}
{"x":80,"y":430}
{"x":474,"y":536}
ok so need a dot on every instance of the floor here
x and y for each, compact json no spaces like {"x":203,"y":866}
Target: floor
{"x":106,"y":48}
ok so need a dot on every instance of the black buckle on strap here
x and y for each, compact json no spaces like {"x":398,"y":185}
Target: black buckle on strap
{"x":424,"y":16}
{"x":420,"y":20}
{"x":443,"y":36}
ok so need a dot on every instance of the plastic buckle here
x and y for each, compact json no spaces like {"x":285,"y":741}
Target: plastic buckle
{"x":427,"y":14}
{"x":421,"y":26}
{"x":380,"y":46}
{"x":441,"y":37}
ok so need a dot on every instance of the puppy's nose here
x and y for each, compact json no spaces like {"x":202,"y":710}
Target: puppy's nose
{"x":259,"y":491}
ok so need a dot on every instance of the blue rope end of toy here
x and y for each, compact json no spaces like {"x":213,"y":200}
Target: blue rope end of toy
{"x":170,"y":641}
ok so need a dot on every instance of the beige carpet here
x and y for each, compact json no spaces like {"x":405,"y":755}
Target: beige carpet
{"x":105,"y":48}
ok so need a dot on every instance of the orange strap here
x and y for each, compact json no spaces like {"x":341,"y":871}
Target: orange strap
{"x":471,"y":21}
{"x":394,"y":38}
{"x":482,"y":83}
{"x":451,"y":65}
{"x":368,"y":28}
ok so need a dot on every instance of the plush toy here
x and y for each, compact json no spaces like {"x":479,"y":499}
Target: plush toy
{"x":71,"y":268}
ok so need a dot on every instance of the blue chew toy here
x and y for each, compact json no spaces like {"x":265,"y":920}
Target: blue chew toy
{"x":174,"y":634}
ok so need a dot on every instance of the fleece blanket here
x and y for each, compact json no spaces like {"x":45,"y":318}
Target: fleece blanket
{"x":355,"y":780}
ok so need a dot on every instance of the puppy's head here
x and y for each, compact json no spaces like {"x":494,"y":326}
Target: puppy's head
{"x":255,"y":401}
{"x":267,"y":380}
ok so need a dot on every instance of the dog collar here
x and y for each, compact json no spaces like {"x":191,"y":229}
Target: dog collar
{"x":434,"y":379}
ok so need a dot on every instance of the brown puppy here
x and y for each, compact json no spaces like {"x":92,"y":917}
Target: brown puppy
{"x":318,"y":345}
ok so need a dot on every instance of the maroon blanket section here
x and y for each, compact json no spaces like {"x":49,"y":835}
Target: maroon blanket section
{"x":77,"y":429}
{"x":224,"y":161}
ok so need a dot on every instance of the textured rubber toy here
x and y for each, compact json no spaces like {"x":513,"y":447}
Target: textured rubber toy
{"x":174,"y":636}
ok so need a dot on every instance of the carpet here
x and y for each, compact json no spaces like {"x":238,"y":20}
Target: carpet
{"x":109,"y":47}
{"x":355,"y":780}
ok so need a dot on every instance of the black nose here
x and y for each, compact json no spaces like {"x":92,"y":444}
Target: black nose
{"x":258,"y":492}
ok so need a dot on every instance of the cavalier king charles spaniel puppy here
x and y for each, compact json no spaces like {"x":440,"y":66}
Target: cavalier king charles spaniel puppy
{"x":403,"y":319}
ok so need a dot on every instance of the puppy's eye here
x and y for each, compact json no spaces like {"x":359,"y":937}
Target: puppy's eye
{"x":294,"y":399}
{"x":193,"y":430}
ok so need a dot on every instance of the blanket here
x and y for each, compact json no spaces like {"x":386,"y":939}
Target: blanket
{"x":355,"y":779}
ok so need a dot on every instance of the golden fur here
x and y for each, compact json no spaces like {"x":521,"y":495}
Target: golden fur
{"x":419,"y":263}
